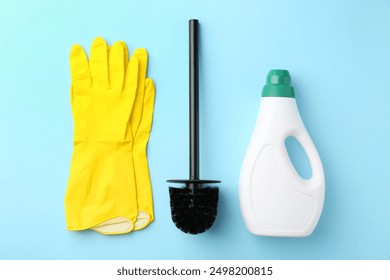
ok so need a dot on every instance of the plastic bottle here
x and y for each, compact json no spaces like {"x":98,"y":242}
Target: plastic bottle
{"x":274,"y":199}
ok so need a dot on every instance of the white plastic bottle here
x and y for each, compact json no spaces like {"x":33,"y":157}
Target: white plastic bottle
{"x":274,"y":199}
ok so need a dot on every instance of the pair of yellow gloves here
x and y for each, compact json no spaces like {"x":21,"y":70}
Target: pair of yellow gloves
{"x":109,"y":188}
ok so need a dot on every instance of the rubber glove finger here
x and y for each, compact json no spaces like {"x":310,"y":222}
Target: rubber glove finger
{"x":131,"y":77}
{"x":79,"y":68}
{"x":148,"y":105}
{"x":125,"y":53}
{"x":142,"y":56}
{"x":136,"y":113}
{"x":116,"y":66}
{"x":99,"y":63}
{"x":130,"y":90}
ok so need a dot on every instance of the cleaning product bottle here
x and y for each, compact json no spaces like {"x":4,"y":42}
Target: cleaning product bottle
{"x":274,"y":199}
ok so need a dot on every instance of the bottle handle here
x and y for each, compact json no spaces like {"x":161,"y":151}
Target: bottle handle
{"x":317,"y":180}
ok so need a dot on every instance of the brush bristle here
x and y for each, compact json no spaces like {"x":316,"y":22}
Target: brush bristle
{"x":194,"y":211}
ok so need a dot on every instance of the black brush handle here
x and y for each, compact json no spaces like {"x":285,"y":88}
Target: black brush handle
{"x":194,"y":182}
{"x":194,"y":99}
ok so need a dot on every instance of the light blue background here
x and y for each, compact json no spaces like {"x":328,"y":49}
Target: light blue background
{"x":338,"y":53}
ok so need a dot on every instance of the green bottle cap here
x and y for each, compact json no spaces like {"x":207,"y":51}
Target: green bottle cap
{"x":278,"y":84}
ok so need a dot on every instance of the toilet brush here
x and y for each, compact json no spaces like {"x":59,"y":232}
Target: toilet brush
{"x":194,"y":207}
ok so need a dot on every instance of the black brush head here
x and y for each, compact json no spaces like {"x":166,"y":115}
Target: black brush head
{"x":194,"y":209}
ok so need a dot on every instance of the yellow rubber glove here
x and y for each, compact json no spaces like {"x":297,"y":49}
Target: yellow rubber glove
{"x":140,"y":124}
{"x":101,"y":188}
